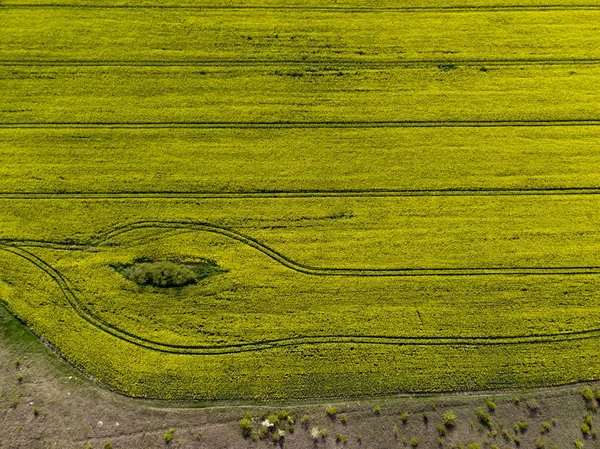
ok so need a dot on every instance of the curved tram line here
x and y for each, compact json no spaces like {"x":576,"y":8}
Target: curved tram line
{"x":17,"y":248}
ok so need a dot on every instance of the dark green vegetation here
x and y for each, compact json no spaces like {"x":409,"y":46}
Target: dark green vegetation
{"x":166,"y":273}
{"x":398,"y":198}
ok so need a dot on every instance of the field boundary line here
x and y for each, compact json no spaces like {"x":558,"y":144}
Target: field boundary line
{"x":308,"y":125}
{"x":340,"y":9}
{"x":291,"y":194}
{"x":348,"y":63}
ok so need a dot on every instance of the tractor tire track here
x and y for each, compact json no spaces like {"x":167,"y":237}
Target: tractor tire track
{"x":304,"y":125}
{"x":347,"y":63}
{"x":340,"y":9}
{"x":291,"y":194}
{"x":12,"y":247}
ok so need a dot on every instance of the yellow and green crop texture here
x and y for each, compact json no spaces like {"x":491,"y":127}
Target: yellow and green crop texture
{"x":388,"y":198}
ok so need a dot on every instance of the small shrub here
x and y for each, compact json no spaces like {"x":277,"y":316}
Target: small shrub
{"x":359,"y":438}
{"x":506,"y":435}
{"x":545,"y":427}
{"x":554,"y":422}
{"x":540,"y":443}
{"x":425,"y":418}
{"x":305,"y":420}
{"x":533,"y":406}
{"x":449,"y":419}
{"x":484,"y":418}
{"x":474,"y":446}
{"x":108,"y":445}
{"x":344,"y":439}
{"x":404,"y":417}
{"x":273,"y":419}
{"x":169,"y":435}
{"x":490,"y":405}
{"x":315,"y":433}
{"x":36,"y":412}
{"x":578,"y":444}
{"x":377,"y":410}
{"x":246,"y":427}
{"x":517,"y":440}
{"x":282,"y":415}
{"x":588,"y":420}
{"x":263,"y":431}
{"x":585,"y":429}
{"x":331,"y":412}
{"x":338,"y":437}
{"x":20,"y":378}
{"x":522,"y":426}
{"x":290,"y":428}
{"x":396,"y":431}
{"x":414,"y":442}
{"x":248,"y":416}
{"x":441,"y":430}
{"x":517,"y":400}
{"x":344,"y":419}
{"x":587,"y":394}
{"x":17,"y":364}
{"x":323,"y":432}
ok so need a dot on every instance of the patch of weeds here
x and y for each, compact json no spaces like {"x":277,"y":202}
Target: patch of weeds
{"x":449,"y":419}
{"x":273,"y":419}
{"x":305,"y":421}
{"x":331,"y":412}
{"x":246,"y":426}
{"x":166,"y":273}
{"x":533,"y":406}
{"x":315,"y":433}
{"x":404,"y":417}
{"x":484,"y":417}
{"x":545,"y":428}
{"x":587,"y":394}
{"x":585,"y":429}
